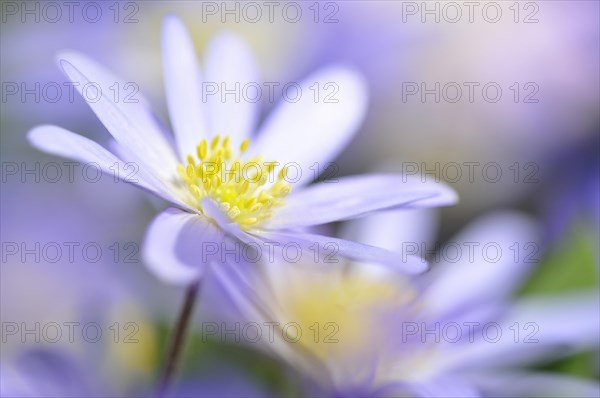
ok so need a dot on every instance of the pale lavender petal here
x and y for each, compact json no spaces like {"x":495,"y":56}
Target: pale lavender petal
{"x":61,"y":142}
{"x":128,"y":121}
{"x":445,"y":387}
{"x":479,"y":265}
{"x":213,"y":211}
{"x":248,"y":292}
{"x":178,"y":245}
{"x":307,"y":132}
{"x":239,"y":289}
{"x":230,"y":66}
{"x":327,"y":249}
{"x":530,"y":384}
{"x":534,"y":329}
{"x":392,"y":230}
{"x":183,"y":87}
{"x":351,"y":197}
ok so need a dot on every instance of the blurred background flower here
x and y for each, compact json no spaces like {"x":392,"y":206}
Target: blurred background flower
{"x":357,"y":329}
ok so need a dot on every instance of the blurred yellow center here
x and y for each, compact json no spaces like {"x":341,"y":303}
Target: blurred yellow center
{"x":131,"y":345}
{"x":340,"y":315}
{"x":246,"y":190}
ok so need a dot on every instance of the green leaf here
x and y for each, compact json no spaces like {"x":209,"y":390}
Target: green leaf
{"x":571,"y":265}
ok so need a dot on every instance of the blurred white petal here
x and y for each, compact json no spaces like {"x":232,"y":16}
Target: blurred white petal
{"x":230,"y":65}
{"x":446,"y":387}
{"x":308,"y":132}
{"x":481,"y":273}
{"x":532,"y":330}
{"x":530,"y":384}
{"x":390,"y":229}
{"x":329,"y":248}
{"x":182,"y":87}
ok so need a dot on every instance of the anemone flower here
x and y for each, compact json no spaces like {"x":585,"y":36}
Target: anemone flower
{"x":355,"y":330}
{"x":223,"y":188}
{"x":219,"y":183}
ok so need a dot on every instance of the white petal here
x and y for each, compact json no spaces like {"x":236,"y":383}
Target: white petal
{"x":571,"y":318}
{"x":229,"y":277}
{"x":533,"y":329}
{"x":61,"y":142}
{"x":445,"y":387}
{"x":308,"y":131}
{"x":182,"y":86}
{"x":249,"y":300}
{"x":214,"y":212}
{"x":355,"y":196}
{"x":328,"y":248}
{"x":478,"y":266}
{"x":530,"y":384}
{"x":129,"y":122}
{"x":392,"y":229}
{"x":178,"y":245}
{"x":230,"y":64}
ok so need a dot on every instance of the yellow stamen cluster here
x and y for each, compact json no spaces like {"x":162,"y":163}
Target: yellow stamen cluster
{"x":246,"y":190}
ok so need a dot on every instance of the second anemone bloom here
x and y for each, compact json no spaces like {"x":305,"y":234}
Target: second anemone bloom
{"x":227,"y":183}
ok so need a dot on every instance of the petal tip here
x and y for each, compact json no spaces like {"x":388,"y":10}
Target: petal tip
{"x":39,"y":136}
{"x":67,"y":57}
{"x":417,"y":266}
{"x":164,"y":264}
{"x":173,"y":24}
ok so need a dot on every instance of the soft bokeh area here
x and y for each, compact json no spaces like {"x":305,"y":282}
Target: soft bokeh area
{"x":498,"y":100}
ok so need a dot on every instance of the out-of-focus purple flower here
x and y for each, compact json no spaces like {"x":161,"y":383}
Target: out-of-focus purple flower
{"x":573,"y":193}
{"x":363,"y":330}
{"x":216,"y":205}
{"x":551,"y":61}
{"x":32,"y":93}
{"x":46,"y":372}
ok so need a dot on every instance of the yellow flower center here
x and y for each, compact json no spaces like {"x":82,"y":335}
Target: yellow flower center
{"x":247,"y":190}
{"x":345,"y":311}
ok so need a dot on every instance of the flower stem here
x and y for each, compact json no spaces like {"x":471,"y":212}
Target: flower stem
{"x":177,"y":339}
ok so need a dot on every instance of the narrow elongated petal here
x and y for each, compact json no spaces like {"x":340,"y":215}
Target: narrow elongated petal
{"x":183,"y":87}
{"x":128,"y":121}
{"x":61,"y":142}
{"x":248,"y":299}
{"x":397,"y":230}
{"x":239,"y":288}
{"x":533,"y":384}
{"x":178,"y":245}
{"x":446,"y":387}
{"x":533,"y":329}
{"x":230,"y":66}
{"x":329,"y":249}
{"x":317,"y":127}
{"x":393,"y":229}
{"x":485,"y":263}
{"x":350,"y":197}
